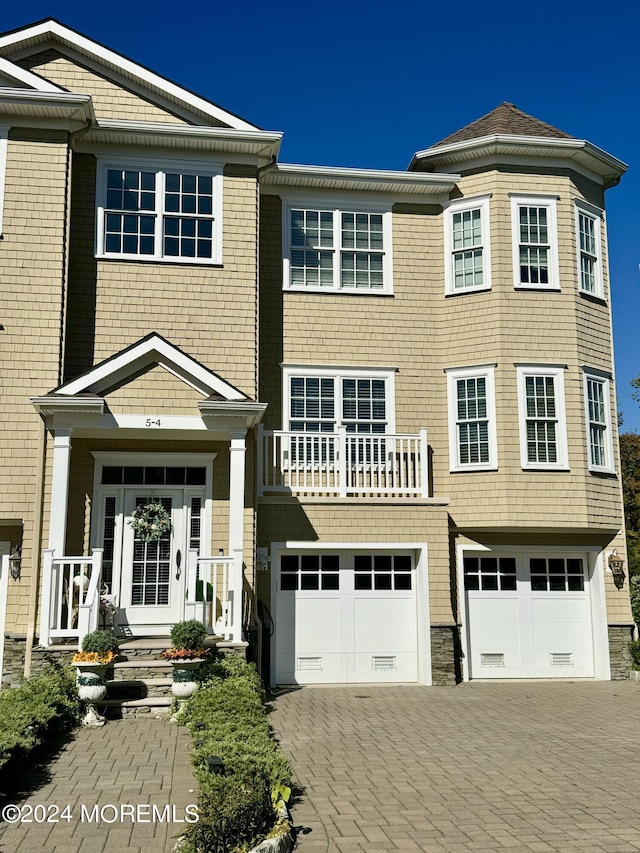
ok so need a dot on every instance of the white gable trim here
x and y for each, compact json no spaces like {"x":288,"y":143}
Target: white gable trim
{"x":148,"y":351}
{"x":50,"y":28}
{"x":14,"y":72}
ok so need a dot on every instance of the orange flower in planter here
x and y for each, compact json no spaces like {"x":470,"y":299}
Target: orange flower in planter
{"x":94,"y":657}
{"x":184,"y":654}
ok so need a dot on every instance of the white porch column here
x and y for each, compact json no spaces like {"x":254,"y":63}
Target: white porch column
{"x":59,"y":489}
{"x":237,"y":454}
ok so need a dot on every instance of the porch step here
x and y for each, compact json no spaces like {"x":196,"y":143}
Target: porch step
{"x":133,"y":689}
{"x":141,"y":669}
{"x":156,"y":706}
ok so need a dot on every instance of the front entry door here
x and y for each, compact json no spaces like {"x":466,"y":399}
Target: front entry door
{"x":152,"y":580}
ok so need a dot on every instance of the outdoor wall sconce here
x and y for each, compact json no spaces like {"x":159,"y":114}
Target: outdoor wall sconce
{"x":15,"y":563}
{"x":616,"y":564}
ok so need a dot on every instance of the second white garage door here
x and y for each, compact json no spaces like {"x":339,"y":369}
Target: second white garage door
{"x":528,"y":615}
{"x":345,"y":617}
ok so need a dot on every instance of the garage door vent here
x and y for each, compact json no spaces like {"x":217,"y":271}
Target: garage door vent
{"x":561,"y":659}
{"x":492,"y":659}
{"x":310,"y":664}
{"x":383,"y":663}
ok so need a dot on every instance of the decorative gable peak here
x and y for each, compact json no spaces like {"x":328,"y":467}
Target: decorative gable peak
{"x":50,"y":34}
{"x":148,"y":352}
{"x":507,"y":120}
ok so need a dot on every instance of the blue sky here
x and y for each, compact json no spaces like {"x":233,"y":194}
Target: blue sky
{"x":368,"y":83}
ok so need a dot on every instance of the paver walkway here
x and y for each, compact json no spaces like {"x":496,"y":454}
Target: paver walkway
{"x":537,"y":766}
{"x":127,"y":762}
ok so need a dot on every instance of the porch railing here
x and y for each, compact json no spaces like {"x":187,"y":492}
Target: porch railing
{"x":342,"y":464}
{"x":214,"y":593}
{"x":70,"y":596}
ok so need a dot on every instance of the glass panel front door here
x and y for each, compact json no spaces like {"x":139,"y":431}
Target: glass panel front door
{"x":152,"y":580}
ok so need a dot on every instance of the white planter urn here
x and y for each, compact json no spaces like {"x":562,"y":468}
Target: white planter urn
{"x":92,"y":688}
{"x":184,"y":682}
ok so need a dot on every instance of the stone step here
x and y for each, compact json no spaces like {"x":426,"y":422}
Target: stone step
{"x":140,"y":669}
{"x":122,"y":690}
{"x":156,"y":706}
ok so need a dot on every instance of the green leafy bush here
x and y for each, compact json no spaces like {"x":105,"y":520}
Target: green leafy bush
{"x":188,"y":635}
{"x":101,"y":641}
{"x":237,"y":807}
{"x":634,"y":648}
{"x":44,"y":705}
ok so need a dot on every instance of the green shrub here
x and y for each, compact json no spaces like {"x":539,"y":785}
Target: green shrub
{"x":44,"y":705}
{"x":101,"y":641}
{"x":634,"y":648}
{"x":188,"y":635}
{"x":236,"y":808}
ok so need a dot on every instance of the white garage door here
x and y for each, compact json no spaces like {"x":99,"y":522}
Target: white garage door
{"x":528,"y":615}
{"x":345,"y":618}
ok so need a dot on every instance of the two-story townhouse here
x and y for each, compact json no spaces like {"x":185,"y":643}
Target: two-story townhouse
{"x":377,"y":406}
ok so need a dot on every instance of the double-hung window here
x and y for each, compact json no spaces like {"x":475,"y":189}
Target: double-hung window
{"x":160,"y":212}
{"x":337,"y":249}
{"x":472,"y":422}
{"x":588,"y":245}
{"x":318,"y":401}
{"x":4,"y":136}
{"x":467,"y":249}
{"x":543,"y":432}
{"x":535,"y":249}
{"x":597,"y":402}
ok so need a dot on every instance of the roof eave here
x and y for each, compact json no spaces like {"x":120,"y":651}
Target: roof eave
{"x":261,"y":143}
{"x":334,"y":177}
{"x":77,"y":108}
{"x":580,"y":150}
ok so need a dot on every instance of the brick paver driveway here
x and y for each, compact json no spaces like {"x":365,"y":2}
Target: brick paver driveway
{"x":537,"y":766}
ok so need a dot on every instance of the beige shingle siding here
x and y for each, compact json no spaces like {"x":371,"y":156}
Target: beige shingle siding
{"x":110,"y":100}
{"x":33,"y":259}
{"x":208,"y":311}
{"x":371,"y":523}
{"x":155,"y":392}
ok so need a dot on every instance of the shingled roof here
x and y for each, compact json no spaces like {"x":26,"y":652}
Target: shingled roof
{"x":506,"y":119}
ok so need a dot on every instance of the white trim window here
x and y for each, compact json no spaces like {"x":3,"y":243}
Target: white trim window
{"x":166,"y":211}
{"x":467,"y":248}
{"x":472,"y":420}
{"x":535,"y":242}
{"x":344,"y":249}
{"x":588,"y":246}
{"x":4,"y":137}
{"x":597,"y":403}
{"x":320,"y":399}
{"x":543,"y":428}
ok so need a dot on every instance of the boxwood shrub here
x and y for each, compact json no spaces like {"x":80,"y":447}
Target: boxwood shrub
{"x":228,"y":719}
{"x":44,"y":705}
{"x":634,"y":648}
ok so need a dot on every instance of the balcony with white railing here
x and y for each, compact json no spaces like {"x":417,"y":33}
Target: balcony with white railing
{"x":343,"y":464}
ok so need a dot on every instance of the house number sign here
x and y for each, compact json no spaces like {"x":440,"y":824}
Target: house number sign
{"x":152,"y":422}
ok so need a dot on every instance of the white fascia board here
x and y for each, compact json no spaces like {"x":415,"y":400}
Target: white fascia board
{"x":570,"y":148}
{"x":264,"y":142}
{"x":337,"y":177}
{"x":49,"y":405}
{"x":145,"y":352}
{"x":15,"y":72}
{"x":99,"y":52}
{"x":69,"y":101}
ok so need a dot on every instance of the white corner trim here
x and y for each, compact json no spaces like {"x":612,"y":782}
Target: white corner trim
{"x":4,"y":136}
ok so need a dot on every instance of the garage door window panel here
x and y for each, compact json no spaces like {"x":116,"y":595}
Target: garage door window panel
{"x":309,"y":572}
{"x":556,"y":574}
{"x":382,"y":572}
{"x":490,"y":573}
